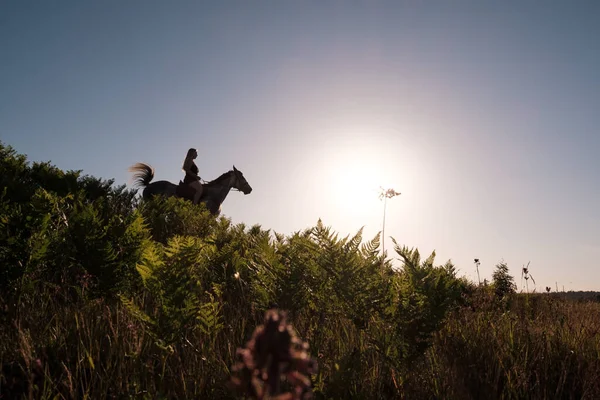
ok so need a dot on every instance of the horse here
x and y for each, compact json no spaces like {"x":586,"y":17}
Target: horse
{"x":213,"y":195}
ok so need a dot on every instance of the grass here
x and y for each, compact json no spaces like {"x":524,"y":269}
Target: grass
{"x":533,"y":346}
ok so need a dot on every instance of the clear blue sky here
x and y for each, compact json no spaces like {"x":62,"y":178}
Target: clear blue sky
{"x":485,"y":115}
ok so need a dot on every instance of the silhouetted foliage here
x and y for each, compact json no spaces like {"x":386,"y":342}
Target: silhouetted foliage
{"x":58,"y":227}
{"x":105,"y":295}
{"x":503,"y":282}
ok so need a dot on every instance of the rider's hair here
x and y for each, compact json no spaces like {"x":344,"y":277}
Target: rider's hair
{"x":188,"y":156}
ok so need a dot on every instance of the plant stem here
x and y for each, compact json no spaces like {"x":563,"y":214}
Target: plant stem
{"x":383,"y":235}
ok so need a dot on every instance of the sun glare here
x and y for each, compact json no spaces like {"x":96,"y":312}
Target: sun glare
{"x":356,"y":185}
{"x":355,"y":167}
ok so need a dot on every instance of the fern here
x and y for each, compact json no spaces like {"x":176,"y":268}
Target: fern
{"x":172,"y":274}
{"x":424,"y":296}
{"x":353,"y":244}
{"x":138,"y":313}
{"x":209,"y":316}
{"x":370,"y":249}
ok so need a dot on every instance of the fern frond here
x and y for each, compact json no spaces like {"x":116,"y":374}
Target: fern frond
{"x":136,"y":311}
{"x":209,"y":317}
{"x":371,"y":248}
{"x":353,"y":244}
{"x":429,"y":261}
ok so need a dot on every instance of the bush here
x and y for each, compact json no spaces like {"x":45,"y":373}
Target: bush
{"x":502,"y":282}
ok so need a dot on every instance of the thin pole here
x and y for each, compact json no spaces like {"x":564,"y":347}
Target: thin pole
{"x":385,"y":194}
{"x":383,"y":235}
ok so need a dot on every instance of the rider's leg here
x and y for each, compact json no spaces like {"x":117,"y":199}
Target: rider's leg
{"x":198,"y":188}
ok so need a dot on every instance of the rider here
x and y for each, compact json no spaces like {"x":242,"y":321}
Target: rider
{"x":191,"y":174}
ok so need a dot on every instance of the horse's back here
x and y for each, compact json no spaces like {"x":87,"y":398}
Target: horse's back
{"x":165,"y":188}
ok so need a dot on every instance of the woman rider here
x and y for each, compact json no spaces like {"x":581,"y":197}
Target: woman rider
{"x":191,"y":174}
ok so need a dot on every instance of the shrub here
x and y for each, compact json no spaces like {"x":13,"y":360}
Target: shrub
{"x":502,"y":281}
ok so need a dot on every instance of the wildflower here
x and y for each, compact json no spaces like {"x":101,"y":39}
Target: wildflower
{"x":236,"y":275}
{"x":274,"y":359}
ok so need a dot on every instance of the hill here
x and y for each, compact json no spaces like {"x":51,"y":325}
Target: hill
{"x":104,"y":295}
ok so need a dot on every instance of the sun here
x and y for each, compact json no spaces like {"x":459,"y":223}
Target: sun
{"x":352,"y":169}
{"x":355,"y":186}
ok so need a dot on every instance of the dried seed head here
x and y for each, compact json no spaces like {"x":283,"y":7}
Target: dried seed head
{"x":274,"y":362}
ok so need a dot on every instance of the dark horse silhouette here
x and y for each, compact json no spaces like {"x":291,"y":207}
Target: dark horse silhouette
{"x":213,"y":195}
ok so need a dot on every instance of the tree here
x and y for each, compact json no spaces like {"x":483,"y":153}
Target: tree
{"x":502,"y":281}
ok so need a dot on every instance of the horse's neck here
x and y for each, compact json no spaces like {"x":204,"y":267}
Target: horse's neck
{"x":222,"y":190}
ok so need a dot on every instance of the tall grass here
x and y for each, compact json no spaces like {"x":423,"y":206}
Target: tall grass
{"x":54,"y":347}
{"x":537,"y":348}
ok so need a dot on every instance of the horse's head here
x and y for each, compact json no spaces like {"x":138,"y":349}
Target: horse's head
{"x":239,"y":182}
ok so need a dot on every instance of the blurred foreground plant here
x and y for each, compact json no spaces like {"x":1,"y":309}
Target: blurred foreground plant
{"x":275,"y":363}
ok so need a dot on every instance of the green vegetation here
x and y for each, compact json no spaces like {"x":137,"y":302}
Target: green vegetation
{"x":502,"y":281}
{"x":103,"y":296}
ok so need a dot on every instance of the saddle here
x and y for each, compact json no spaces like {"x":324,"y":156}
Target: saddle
{"x":185,"y":190}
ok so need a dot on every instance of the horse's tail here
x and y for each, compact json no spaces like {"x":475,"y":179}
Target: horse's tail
{"x":142,"y":174}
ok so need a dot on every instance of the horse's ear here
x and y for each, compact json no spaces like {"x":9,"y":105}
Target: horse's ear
{"x":234,"y":168}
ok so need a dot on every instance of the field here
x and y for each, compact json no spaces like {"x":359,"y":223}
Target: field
{"x":104,"y":296}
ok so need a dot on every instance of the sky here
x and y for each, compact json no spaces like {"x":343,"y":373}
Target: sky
{"x":483,"y":114}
